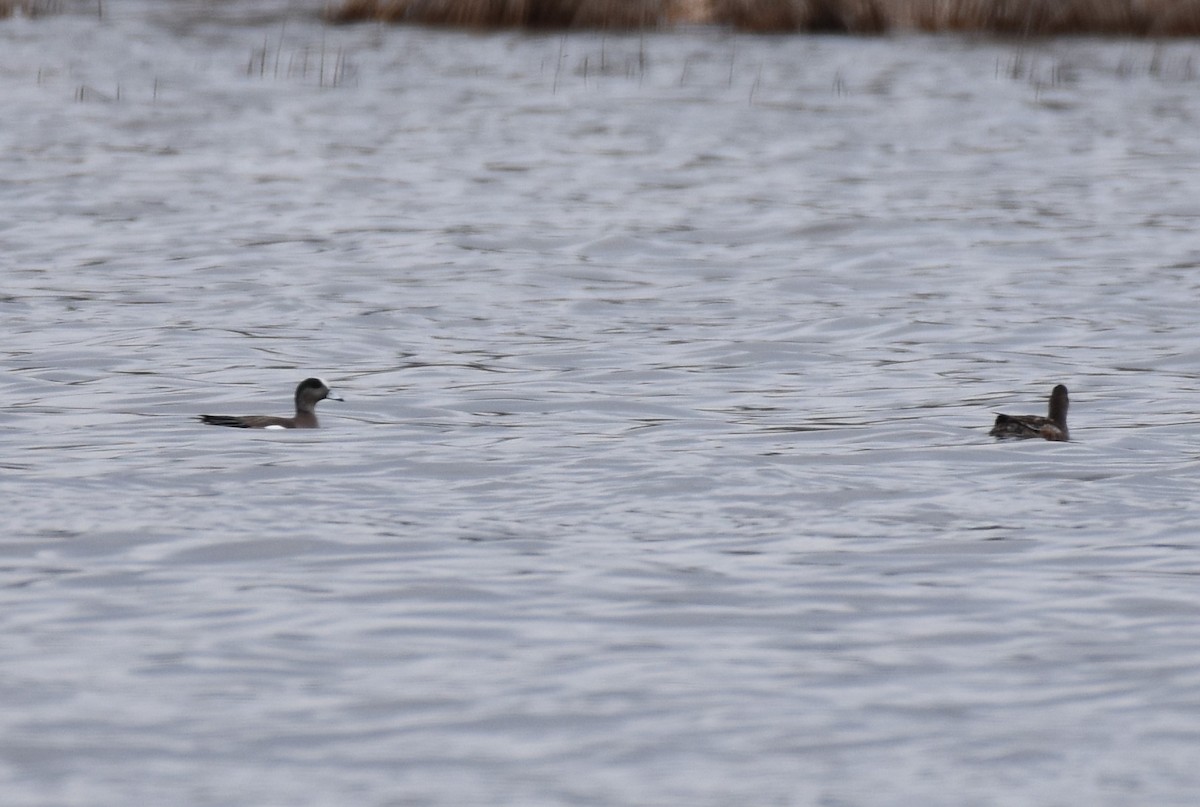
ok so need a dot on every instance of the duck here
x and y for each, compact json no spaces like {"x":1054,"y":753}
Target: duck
{"x":1052,"y":427}
{"x":309,"y":393}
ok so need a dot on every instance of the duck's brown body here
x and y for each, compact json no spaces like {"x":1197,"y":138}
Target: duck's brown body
{"x":309,"y":393}
{"x":1052,"y":427}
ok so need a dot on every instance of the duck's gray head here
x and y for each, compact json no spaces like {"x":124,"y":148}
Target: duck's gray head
{"x":312,"y":390}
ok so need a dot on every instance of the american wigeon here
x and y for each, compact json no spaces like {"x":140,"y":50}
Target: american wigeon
{"x":309,"y":393}
{"x":1053,"y":427}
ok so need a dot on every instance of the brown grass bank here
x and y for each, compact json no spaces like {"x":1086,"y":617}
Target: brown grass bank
{"x":1007,"y":17}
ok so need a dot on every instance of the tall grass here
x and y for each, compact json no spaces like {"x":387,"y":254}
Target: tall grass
{"x":1008,"y":17}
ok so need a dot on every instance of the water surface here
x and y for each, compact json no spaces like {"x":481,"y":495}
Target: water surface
{"x":663,"y":475}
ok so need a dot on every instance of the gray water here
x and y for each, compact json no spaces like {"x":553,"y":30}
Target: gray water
{"x":663,"y":475}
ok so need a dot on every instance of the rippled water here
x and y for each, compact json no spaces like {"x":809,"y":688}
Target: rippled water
{"x":662,"y":476}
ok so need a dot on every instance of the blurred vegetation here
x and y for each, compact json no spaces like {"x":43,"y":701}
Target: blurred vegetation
{"x":29,"y":8}
{"x":1008,"y":17}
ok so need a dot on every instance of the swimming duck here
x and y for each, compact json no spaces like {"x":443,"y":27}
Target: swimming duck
{"x":1053,"y":427}
{"x":309,"y":393}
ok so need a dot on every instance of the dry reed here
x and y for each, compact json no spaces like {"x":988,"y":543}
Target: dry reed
{"x":1006,"y":17}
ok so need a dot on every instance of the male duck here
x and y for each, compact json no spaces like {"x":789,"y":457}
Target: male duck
{"x":309,"y":393}
{"x":1053,"y":427}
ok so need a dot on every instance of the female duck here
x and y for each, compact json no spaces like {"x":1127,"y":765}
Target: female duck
{"x":1053,"y":427}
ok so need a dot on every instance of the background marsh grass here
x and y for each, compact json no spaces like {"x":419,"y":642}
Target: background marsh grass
{"x":617,"y":14}
{"x":1007,"y":17}
{"x":1053,"y":17}
{"x":29,"y":8}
